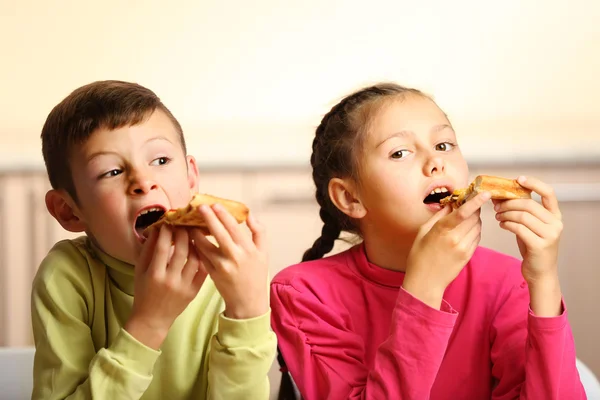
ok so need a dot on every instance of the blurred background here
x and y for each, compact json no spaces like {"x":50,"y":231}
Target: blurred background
{"x":249,"y":82}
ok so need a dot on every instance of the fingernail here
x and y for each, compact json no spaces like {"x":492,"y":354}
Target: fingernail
{"x":217,"y":207}
{"x":521,"y":179}
{"x":486,"y":195}
{"x":497,"y":207}
{"x":203,"y":208}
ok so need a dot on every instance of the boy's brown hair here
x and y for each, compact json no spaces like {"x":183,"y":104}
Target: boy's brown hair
{"x":103,"y":104}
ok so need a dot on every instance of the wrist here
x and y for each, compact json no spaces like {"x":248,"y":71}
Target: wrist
{"x":146,"y":332}
{"x":545,"y":296}
{"x":432,"y":295}
{"x":246,"y":311}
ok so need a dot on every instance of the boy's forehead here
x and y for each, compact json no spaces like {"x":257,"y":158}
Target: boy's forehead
{"x":157,"y":127}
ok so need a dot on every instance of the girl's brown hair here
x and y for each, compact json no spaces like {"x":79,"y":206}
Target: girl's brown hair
{"x":335,"y":154}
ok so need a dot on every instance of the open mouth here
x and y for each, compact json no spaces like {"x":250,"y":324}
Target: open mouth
{"x":436,"y":195}
{"x":146,"y":218}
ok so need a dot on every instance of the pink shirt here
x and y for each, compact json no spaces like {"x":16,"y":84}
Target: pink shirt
{"x":347,"y":330}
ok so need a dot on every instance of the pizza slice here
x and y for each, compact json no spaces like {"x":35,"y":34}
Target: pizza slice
{"x":499,"y":188}
{"x":190,"y":215}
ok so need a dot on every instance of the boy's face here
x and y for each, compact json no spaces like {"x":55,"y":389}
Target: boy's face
{"x":119,"y":174}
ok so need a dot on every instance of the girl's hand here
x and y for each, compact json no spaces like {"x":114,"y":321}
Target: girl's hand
{"x":239,"y":265}
{"x":443,"y":246}
{"x":538,"y":228}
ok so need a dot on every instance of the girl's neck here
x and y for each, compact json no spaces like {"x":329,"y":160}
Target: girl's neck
{"x":388,"y":251}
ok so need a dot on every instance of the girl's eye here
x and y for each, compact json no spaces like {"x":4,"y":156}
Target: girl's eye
{"x":400,"y":154}
{"x":161,"y":161}
{"x":445,"y":146}
{"x":111,"y":173}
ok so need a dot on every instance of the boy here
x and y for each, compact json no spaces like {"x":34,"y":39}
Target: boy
{"x":119,"y":316}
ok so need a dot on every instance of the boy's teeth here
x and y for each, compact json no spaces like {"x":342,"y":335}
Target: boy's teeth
{"x":444,"y":190}
{"x":148,"y":210}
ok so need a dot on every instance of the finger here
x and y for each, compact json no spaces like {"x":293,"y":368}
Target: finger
{"x":469,"y":208}
{"x":468,"y":224}
{"x":526,"y":205}
{"x":258,"y":232}
{"x":521,"y":231}
{"x":192,"y":263}
{"x":217,"y":230}
{"x":162,"y":249}
{"x":549,"y":200}
{"x":147,"y":252}
{"x":205,"y":263}
{"x":204,"y":247}
{"x":231,"y":225}
{"x":180,"y":252}
{"x":199,"y":278}
{"x":473,"y":237}
{"x":426,"y":227}
{"x":524,"y":218}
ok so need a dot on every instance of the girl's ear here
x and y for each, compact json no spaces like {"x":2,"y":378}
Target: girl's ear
{"x":344,"y":195}
{"x":62,"y":207}
{"x":193,"y":174}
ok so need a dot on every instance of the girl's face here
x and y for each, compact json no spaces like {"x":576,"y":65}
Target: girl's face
{"x":410,"y":150}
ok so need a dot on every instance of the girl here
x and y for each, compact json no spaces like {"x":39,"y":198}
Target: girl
{"x":418,"y":310}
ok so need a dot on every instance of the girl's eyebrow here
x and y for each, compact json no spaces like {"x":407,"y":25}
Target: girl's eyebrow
{"x":401,"y":134}
{"x":407,"y":133}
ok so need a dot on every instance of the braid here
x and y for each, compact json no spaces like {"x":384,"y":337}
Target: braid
{"x":323,"y":245}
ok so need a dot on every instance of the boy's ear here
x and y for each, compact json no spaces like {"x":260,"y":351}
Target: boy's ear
{"x":193,"y":174}
{"x":344,"y":196}
{"x":62,"y":207}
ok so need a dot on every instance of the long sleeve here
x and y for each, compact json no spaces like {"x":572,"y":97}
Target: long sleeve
{"x":327,"y":359}
{"x":241,"y":355}
{"x":66,"y":364}
{"x":533,"y":358}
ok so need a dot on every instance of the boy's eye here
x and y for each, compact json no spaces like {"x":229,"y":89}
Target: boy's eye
{"x":111,"y":173}
{"x":400,"y":154}
{"x":160,"y":161}
{"x":445,"y":146}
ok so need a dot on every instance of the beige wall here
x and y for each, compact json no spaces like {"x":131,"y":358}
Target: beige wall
{"x":268,"y":69}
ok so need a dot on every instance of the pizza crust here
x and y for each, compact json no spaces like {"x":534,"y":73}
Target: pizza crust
{"x":499,"y":188}
{"x":190,"y":215}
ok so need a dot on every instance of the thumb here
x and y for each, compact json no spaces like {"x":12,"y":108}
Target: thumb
{"x":426,"y":227}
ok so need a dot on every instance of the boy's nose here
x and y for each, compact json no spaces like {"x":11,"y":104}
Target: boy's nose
{"x":142,"y":185}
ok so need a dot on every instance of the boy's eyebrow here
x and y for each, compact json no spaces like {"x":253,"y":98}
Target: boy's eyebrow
{"x":405,"y":133}
{"x":101,"y":153}
{"x":158,"y":138}
{"x":105,"y":153}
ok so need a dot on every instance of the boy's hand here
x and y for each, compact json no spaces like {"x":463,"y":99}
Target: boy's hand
{"x":538,"y":228}
{"x":443,"y":246}
{"x":164,"y":284}
{"x":239,"y":265}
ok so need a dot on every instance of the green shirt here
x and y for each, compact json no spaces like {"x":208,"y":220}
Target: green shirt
{"x":82,"y":297}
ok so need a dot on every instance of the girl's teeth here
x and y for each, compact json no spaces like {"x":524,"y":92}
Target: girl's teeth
{"x":439,"y":190}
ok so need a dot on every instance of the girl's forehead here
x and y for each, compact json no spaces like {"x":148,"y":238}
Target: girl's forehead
{"x":411,"y":113}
